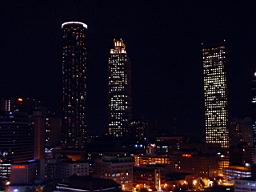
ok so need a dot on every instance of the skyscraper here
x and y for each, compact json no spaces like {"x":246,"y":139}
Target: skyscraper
{"x":38,"y":122}
{"x":119,"y":82}
{"x":74,"y":83}
{"x":16,"y":140}
{"x":53,"y":130}
{"x":215,"y":95}
{"x":253,"y":107}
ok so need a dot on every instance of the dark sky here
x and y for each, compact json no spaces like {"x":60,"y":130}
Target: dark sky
{"x":163,"y":40}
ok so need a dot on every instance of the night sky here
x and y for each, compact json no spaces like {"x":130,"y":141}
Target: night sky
{"x":163,"y":41}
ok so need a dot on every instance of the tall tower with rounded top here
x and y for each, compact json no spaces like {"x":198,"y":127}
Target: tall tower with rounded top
{"x":74,"y":57}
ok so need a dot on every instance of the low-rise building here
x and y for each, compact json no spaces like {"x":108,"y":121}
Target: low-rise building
{"x":245,"y":185}
{"x":140,"y":160}
{"x":24,"y":173}
{"x":237,"y":172}
{"x":117,"y":168}
{"x":69,"y":168}
{"x":82,"y":183}
{"x":59,"y":169}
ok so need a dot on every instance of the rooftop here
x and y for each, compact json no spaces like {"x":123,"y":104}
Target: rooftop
{"x":74,"y":22}
{"x":84,"y":183}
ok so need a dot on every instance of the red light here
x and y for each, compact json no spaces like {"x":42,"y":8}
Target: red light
{"x":187,"y":155}
{"x":18,"y":167}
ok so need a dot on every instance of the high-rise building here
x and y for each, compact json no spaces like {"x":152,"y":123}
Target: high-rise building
{"x":241,"y":142}
{"x":119,"y":82}
{"x":27,"y":105}
{"x":74,"y":57}
{"x":253,"y":108}
{"x":215,"y":95}
{"x":16,"y":141}
{"x":7,"y":104}
{"x":16,"y":137}
{"x":52,"y":130}
{"x":137,"y":130}
{"x":38,"y":122}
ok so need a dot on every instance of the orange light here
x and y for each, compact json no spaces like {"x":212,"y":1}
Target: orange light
{"x":187,"y":155}
{"x":18,"y":167}
{"x":194,"y":182}
{"x":20,"y":99}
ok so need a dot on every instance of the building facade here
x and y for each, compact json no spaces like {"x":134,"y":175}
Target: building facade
{"x":119,"y":82}
{"x":237,"y":172}
{"x":141,"y":160}
{"x":215,"y":95}
{"x":16,"y":137}
{"x":52,"y":130}
{"x":85,"y":183}
{"x":119,"y":169}
{"x":245,"y":185}
{"x":24,"y":173}
{"x":70,"y":168}
{"x":253,"y":108}
{"x":74,"y":84}
{"x":137,"y":130}
{"x":16,"y":141}
{"x":38,"y":122}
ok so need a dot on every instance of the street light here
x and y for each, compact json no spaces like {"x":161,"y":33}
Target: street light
{"x":194,"y":182}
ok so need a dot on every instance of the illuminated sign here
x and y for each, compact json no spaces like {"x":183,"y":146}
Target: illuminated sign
{"x":187,"y":155}
{"x":18,"y":167}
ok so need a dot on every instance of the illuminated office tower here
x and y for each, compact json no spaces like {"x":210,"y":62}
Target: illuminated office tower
{"x":215,"y":95}
{"x":119,"y":82}
{"x":253,"y":107}
{"x":74,"y":83}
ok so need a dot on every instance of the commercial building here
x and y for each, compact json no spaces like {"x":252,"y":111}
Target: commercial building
{"x":38,"y":122}
{"x":69,"y":168}
{"x":5,"y":170}
{"x":21,"y":133}
{"x":201,"y":165}
{"x":147,"y":177}
{"x":141,"y":160}
{"x":245,"y":185}
{"x":119,"y":169}
{"x":16,"y":141}
{"x":253,"y":108}
{"x":119,"y":93}
{"x":241,"y":142}
{"x":52,"y":130}
{"x":74,"y":90}
{"x":237,"y":172}
{"x":16,"y":137}
{"x":138,"y":130}
{"x":82,"y":183}
{"x":215,"y":95}
{"x":21,"y":104}
{"x":62,"y":168}
{"x":24,"y":173}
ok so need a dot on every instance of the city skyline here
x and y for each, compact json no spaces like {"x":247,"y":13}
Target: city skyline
{"x":120,"y":96}
{"x":161,"y":71}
